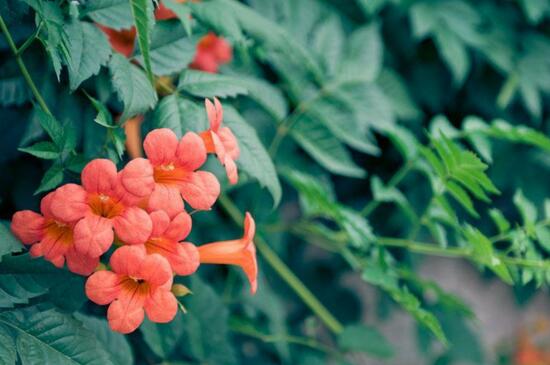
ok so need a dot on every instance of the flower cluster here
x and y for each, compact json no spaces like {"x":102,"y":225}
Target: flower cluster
{"x":139,"y":211}
{"x":212,"y":51}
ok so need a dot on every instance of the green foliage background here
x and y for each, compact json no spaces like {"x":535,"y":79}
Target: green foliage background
{"x":373,"y":132}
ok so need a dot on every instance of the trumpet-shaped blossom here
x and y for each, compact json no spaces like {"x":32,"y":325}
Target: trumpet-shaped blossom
{"x":170,"y":173}
{"x":138,"y":284}
{"x":97,"y":207}
{"x":51,"y":238}
{"x":240,"y":252}
{"x":220,"y":140}
{"x":212,"y":51}
{"x":165,"y":241}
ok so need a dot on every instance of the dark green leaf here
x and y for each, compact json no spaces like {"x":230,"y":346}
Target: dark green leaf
{"x":45,"y":150}
{"x":51,"y":179}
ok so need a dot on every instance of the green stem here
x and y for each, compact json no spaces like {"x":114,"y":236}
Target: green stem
{"x":296,"y":340}
{"x":23,"y":68}
{"x":29,"y":40}
{"x":284,"y":271}
{"x":393,"y":182}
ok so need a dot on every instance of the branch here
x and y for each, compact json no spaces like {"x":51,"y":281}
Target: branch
{"x":22,"y":67}
{"x":284,"y":271}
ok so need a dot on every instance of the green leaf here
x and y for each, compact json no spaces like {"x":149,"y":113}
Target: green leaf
{"x":183,"y":13}
{"x":8,"y":242}
{"x":232,"y":18}
{"x":23,"y":278}
{"x":142,"y":11}
{"x":319,"y":142}
{"x":484,"y":253}
{"x":8,"y":355}
{"x":266,"y":95}
{"x":206,"y":330}
{"x":52,"y":126}
{"x":206,"y":84}
{"x":50,"y":337}
{"x":88,"y":50}
{"x":454,"y":54}
{"x":115,"y":14}
{"x":500,"y":221}
{"x":367,"y":339}
{"x":51,"y":179}
{"x":180,"y":115}
{"x":170,"y":51}
{"x":132,"y":86}
{"x":254,"y":159}
{"x":118,"y":348}
{"x":363,"y":55}
{"x":357,"y":227}
{"x":44,"y":150}
{"x":527,"y":209}
{"x":163,"y":338}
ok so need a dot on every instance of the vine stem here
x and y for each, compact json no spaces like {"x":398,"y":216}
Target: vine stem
{"x":430,"y":249}
{"x":23,"y":68}
{"x":284,"y":271}
{"x":296,"y":340}
{"x":393,"y":182}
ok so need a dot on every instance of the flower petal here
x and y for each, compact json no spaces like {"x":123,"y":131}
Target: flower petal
{"x":69,"y":203}
{"x":80,"y":264}
{"x":187,"y":260}
{"x":166,"y":198}
{"x":126,"y":260}
{"x":191,"y":152}
{"x":93,"y":235}
{"x":56,"y":243}
{"x":200,"y":190}
{"x":161,"y":221}
{"x":137,"y":177}
{"x":28,"y":226}
{"x":160,"y":146}
{"x":125,"y":314}
{"x":156,"y":270}
{"x":214,"y":112}
{"x":161,"y":306}
{"x":57,"y":261}
{"x":45,"y":205}
{"x":179,"y":228}
{"x":229,"y":142}
{"x":133,"y":226}
{"x":231,"y":170}
{"x":99,"y":176}
{"x":102,"y":287}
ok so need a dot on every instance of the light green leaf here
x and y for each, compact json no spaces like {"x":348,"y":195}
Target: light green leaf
{"x":170,"y":51}
{"x":180,"y":115}
{"x":254,"y":159}
{"x":115,"y":14}
{"x":142,"y":11}
{"x":132,"y":86}
{"x":44,"y":150}
{"x":205,"y":84}
{"x":319,"y":142}
{"x":500,"y":221}
{"x":527,"y":209}
{"x":50,"y":337}
{"x":88,"y":50}
{"x":484,"y":253}
{"x":367,"y":339}
{"x":114,"y":343}
{"x":364,"y":54}
{"x":454,"y":53}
